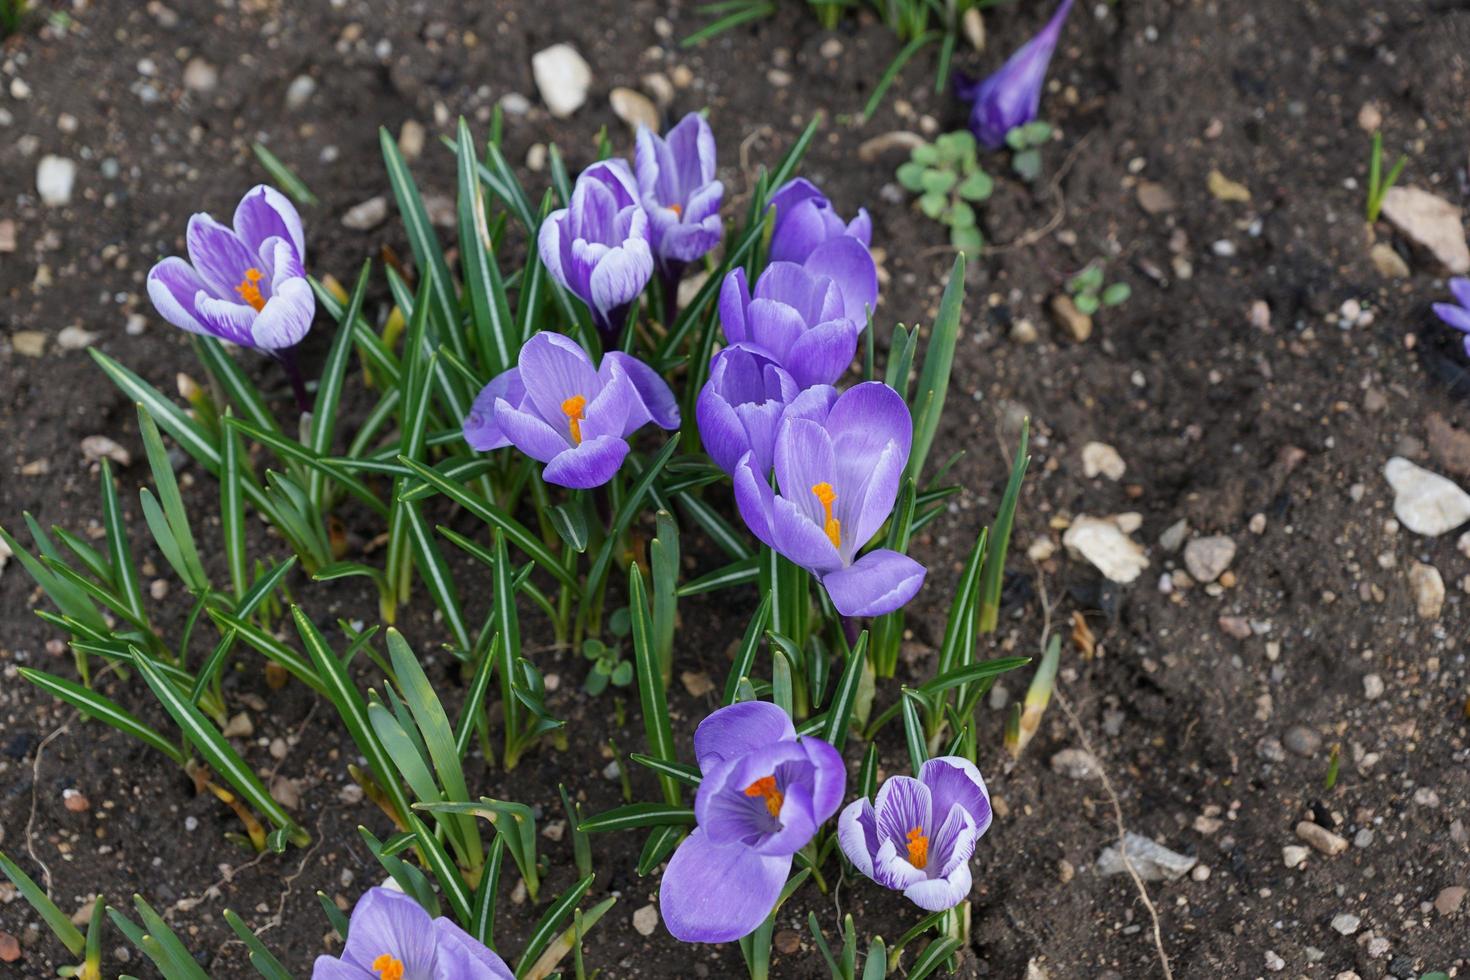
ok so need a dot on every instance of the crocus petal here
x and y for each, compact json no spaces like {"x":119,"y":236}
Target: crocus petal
{"x":224,"y":319}
{"x":759,"y":422}
{"x":857,"y":834}
{"x":773,"y":329}
{"x":172,"y":286}
{"x":955,"y":781}
{"x":829,"y":777}
{"x":847,"y":262}
{"x":865,"y":418}
{"x":755,"y":500}
{"x":1012,"y":96}
{"x":617,"y":409}
{"x":821,"y":354}
{"x":386,"y":921}
{"x":462,"y":957}
{"x":952,"y":842}
{"x":877,"y":583}
{"x":934,"y":894}
{"x":713,"y":893}
{"x":331,"y":968}
{"x":798,"y":822}
{"x":798,"y":232}
{"x":803,"y":461}
{"x":802,"y":541}
{"x":480,"y":428}
{"x":528,"y":433}
{"x":1460,"y":289}
{"x":621,"y":274}
{"x":903,"y":804}
{"x":662,"y":408}
{"x":739,"y":728}
{"x":891,"y":867}
{"x":686,"y":242}
{"x":589,"y":465}
{"x":219,"y":256}
{"x":865,"y":499}
{"x":734,"y":299}
{"x":286,"y":316}
{"x":723,"y":432}
{"x":265,"y":212}
{"x":555,"y":368}
{"x":861,"y":227}
{"x":1456,"y":316}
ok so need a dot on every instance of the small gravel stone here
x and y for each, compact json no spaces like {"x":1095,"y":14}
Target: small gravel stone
{"x":1345,"y":923}
{"x":1101,"y":459}
{"x":1173,"y":537}
{"x":1206,"y":558}
{"x":1427,"y":586}
{"x":1301,"y":740}
{"x":411,"y":139}
{"x":1270,"y":749}
{"x":1321,"y":838}
{"x":634,"y":108}
{"x":191,"y":824}
{"x":1077,"y":324}
{"x":1424,"y":502}
{"x":1152,"y":861}
{"x":1431,"y":223}
{"x":75,"y":338}
{"x":562,"y":77}
{"x":1274,"y":963}
{"x":515,"y":104}
{"x":200,"y":76}
{"x":1449,"y":900}
{"x":74,"y":801}
{"x":1295,"y":855}
{"x":1372,"y":687}
{"x":1106,"y":547}
{"x":788,"y":941}
{"x":300,"y":91}
{"x":95,"y":448}
{"x":55,"y":178}
{"x":1235,"y":626}
{"x":645,"y":920}
{"x":367,"y":215}
{"x":1075,"y":764}
{"x":1363,"y":838}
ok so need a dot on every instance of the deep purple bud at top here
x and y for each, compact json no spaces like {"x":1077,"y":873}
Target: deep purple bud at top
{"x":918,"y":836}
{"x":391,"y":936}
{"x":806,"y":219}
{"x":598,"y":247}
{"x":763,"y":795}
{"x":1457,"y":314}
{"x":837,"y":474}
{"x":1012,"y":96}
{"x":555,"y":407}
{"x":676,"y":182}
{"x":244,"y":284}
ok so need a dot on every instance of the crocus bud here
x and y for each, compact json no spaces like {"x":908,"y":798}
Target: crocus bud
{"x":1012,"y":96}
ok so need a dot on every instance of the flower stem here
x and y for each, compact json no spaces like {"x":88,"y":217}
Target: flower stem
{"x":287,"y":357}
{"x":670,"y":275}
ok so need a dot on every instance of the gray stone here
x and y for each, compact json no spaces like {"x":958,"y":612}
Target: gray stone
{"x":1345,"y":923}
{"x":1152,"y":862}
{"x":55,"y":178}
{"x":1207,"y":558}
{"x":300,"y":91}
{"x":1430,"y":222}
{"x":562,"y":77}
{"x":1301,"y":740}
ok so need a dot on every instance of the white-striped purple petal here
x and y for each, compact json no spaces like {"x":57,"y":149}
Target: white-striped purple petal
{"x":955,"y":781}
{"x":857,"y":834}
{"x":220,"y":258}
{"x":265,"y":212}
{"x":172,"y":286}
{"x":286,"y":317}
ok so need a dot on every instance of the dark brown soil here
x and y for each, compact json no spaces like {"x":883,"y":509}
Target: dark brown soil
{"x":1218,"y":418}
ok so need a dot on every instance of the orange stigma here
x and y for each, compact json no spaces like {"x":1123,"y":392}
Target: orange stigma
{"x":574,"y":407}
{"x":678,"y":209}
{"x":388,"y":967}
{"x":249,"y":289}
{"x":832,"y":526}
{"x":918,"y":848}
{"x":766,"y":787}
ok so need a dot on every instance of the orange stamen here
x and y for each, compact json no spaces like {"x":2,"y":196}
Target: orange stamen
{"x":249,"y":289}
{"x":678,"y":209}
{"x":574,"y":408}
{"x":918,"y":848}
{"x":388,"y":967}
{"x":766,"y":787}
{"x":831,"y":525}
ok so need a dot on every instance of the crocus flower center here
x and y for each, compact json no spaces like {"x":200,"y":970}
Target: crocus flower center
{"x":918,"y":848}
{"x":678,"y":210}
{"x":766,"y":787}
{"x":249,"y":289}
{"x":832,"y":526}
{"x":575,"y":407}
{"x":388,"y":967}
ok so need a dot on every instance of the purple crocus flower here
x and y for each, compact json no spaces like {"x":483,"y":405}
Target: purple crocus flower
{"x":764,"y":794}
{"x":742,"y":405}
{"x":391,"y":937}
{"x":805,"y":219}
{"x":245,"y":284}
{"x":598,"y":247}
{"x":676,"y":182}
{"x":1457,"y":314}
{"x":556,"y":407}
{"x":1012,"y":96}
{"x":919,"y":836}
{"x":838,"y":476}
{"x":805,"y":318}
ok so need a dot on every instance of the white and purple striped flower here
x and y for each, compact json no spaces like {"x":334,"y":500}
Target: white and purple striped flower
{"x":1457,"y":314}
{"x":764,"y":794}
{"x":837,"y":473}
{"x":244,"y":284}
{"x":556,"y":407}
{"x":391,"y":937}
{"x":919,"y":835}
{"x":598,"y":246}
{"x":677,"y":185}
{"x":1011,"y":97}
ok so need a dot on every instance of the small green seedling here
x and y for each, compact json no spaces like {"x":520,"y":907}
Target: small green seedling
{"x":1089,"y":293}
{"x":11,"y":12}
{"x":1026,"y":143}
{"x":947,"y":176}
{"x":608,"y":665}
{"x":1379,"y":185}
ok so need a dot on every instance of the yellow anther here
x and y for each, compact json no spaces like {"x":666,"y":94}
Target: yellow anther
{"x":388,"y":967}
{"x":918,"y":848}
{"x":574,"y":407}
{"x":249,"y":289}
{"x":766,"y":787}
{"x":832,"y":526}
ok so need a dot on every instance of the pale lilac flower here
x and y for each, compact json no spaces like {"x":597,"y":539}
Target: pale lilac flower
{"x":1457,"y":314}
{"x":837,"y":475}
{"x":742,"y":405}
{"x":677,"y":185}
{"x":1012,"y":96}
{"x":556,"y":407}
{"x":391,"y":937}
{"x":763,"y":796}
{"x":919,"y":835}
{"x":598,"y":246}
{"x":805,"y":219}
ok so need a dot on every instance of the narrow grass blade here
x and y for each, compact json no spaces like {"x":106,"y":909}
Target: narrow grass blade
{"x":725,"y":537}
{"x":125,"y":579}
{"x":688,"y":775}
{"x":550,"y":922}
{"x":939,"y":950}
{"x":745,"y":571}
{"x":103,"y":709}
{"x":938,"y":365}
{"x":991,"y":578}
{"x":624,"y":517}
{"x":894,"y":67}
{"x":173,"y":503}
{"x":58,"y":921}
{"x":283,"y":176}
{"x":839,"y":715}
{"x":494,"y":330}
{"x":329,"y":388}
{"x":509,"y":645}
{"x":656,"y":725}
{"x":638,"y":815}
{"x":749,"y":645}
{"x":261,"y":958}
